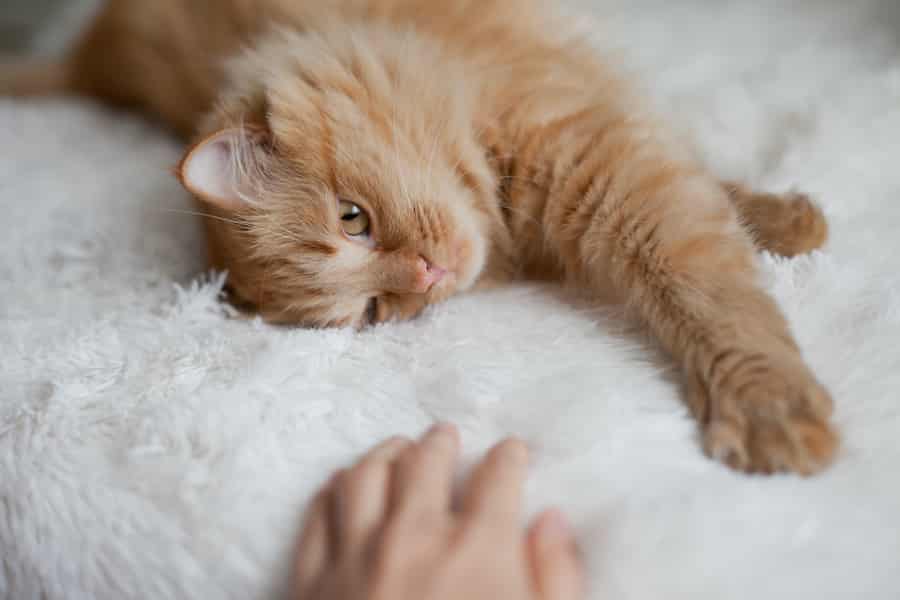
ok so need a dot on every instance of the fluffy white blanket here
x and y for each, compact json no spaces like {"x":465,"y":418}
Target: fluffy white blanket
{"x":151,"y":447}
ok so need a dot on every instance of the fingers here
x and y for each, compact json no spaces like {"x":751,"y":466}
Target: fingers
{"x":424,"y":476}
{"x":362,"y":495}
{"x":401,"y":484}
{"x":494,"y":492}
{"x":555,"y":561}
{"x":313,"y":551}
{"x":345,"y":513}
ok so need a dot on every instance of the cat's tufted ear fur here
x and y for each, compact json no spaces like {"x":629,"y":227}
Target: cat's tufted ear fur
{"x":217,"y":169}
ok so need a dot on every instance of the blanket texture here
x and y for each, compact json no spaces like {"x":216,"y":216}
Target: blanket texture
{"x":151,"y":446}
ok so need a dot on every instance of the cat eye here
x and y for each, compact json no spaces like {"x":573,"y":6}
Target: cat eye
{"x":354,"y":220}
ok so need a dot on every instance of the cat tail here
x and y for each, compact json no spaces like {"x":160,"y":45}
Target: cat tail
{"x":26,"y":79}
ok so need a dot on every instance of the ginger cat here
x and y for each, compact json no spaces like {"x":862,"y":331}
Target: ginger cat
{"x":362,"y":159}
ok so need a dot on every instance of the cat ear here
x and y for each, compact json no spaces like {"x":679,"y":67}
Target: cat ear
{"x":215,"y":168}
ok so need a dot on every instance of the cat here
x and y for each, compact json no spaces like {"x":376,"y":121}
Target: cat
{"x":359,"y":160}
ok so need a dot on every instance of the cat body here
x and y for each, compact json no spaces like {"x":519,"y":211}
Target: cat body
{"x":362,"y":159}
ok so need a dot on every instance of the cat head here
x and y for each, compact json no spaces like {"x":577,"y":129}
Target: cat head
{"x":342,"y":181}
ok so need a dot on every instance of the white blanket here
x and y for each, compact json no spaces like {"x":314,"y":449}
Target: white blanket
{"x":152,"y":447}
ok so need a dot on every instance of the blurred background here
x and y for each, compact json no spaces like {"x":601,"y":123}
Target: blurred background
{"x":41,"y":25}
{"x":21,"y":19}
{"x":46,"y":26}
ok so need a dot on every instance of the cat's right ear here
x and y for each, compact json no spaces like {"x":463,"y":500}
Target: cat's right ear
{"x":217,"y":168}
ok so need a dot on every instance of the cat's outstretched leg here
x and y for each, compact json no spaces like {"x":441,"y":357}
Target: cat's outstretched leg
{"x":143,"y":56}
{"x":784,"y":224}
{"x":622,"y":213}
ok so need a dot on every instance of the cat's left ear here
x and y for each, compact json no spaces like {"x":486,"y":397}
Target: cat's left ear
{"x":216,"y":169}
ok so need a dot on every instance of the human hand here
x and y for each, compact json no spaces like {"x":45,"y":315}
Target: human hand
{"x":385,"y":530}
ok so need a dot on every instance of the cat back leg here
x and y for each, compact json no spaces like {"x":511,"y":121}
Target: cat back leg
{"x":784,"y":224}
{"x":26,"y":79}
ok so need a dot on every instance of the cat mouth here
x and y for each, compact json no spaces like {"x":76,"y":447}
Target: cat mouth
{"x":444,"y":288}
{"x":463,"y":271}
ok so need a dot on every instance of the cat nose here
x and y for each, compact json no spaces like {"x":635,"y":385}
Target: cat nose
{"x":428,"y":275}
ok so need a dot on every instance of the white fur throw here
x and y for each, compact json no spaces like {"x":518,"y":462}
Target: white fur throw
{"x":152,"y":447}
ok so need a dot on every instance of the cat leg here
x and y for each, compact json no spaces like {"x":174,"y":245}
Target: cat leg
{"x":137,"y":55}
{"x":98,"y":65}
{"x":622,"y":214}
{"x":783,"y":224}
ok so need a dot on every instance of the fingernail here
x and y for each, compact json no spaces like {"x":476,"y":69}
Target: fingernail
{"x":395,"y":445}
{"x":398,"y":440}
{"x":555,"y":530}
{"x":516,"y":448}
{"x":444,"y":429}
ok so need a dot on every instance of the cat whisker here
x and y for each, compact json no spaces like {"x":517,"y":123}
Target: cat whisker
{"x":290,"y":236}
{"x":195,"y":213}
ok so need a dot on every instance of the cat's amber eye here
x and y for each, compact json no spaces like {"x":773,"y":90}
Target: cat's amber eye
{"x":354,"y":220}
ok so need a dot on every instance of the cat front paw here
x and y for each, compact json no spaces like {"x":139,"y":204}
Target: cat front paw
{"x":768,"y":417}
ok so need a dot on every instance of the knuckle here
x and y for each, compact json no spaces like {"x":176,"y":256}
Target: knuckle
{"x":487,"y":526}
{"x":397,"y":442}
{"x":361,"y":477}
{"x":423,"y":456}
{"x":388,"y":450}
{"x":413,"y":520}
{"x":395,"y":439}
{"x":437,"y":446}
{"x":399,"y":548}
{"x":410,"y":459}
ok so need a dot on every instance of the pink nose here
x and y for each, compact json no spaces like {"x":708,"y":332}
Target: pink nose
{"x":429,"y":275}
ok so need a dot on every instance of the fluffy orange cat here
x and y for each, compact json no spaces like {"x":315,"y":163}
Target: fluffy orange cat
{"x":362,"y":159}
